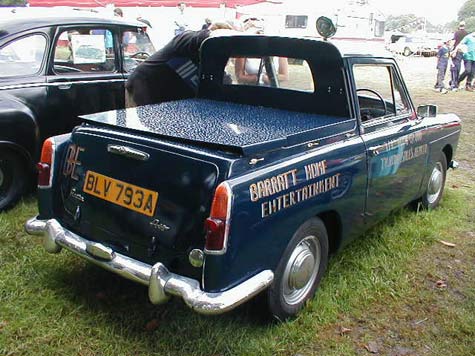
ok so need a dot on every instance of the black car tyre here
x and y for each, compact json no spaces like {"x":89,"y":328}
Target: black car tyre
{"x":299,"y":271}
{"x":436,"y":184}
{"x":13,"y":177}
{"x":407,"y":52}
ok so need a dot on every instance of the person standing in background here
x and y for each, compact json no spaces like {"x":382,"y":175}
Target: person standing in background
{"x":468,"y":61}
{"x":252,"y":70}
{"x":118,"y":12}
{"x":442,"y":63}
{"x":456,"y":56}
{"x":207,"y":24}
{"x":181,"y":21}
{"x":460,"y":33}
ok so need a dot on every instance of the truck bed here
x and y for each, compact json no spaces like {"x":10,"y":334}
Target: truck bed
{"x":244,"y":129}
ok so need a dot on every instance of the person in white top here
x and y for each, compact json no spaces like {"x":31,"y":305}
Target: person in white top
{"x":252,"y":70}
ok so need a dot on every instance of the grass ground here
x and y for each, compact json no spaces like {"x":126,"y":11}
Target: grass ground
{"x":396,"y":291}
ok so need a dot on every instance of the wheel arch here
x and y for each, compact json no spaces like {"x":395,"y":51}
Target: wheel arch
{"x":448,"y":152}
{"x":19,"y":126}
{"x":332,"y":221}
{"x":20,"y":150}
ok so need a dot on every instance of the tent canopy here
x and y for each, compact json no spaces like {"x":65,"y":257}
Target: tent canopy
{"x":141,"y":3}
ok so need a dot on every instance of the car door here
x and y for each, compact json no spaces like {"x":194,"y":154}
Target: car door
{"x":396,"y":150}
{"x":85,"y":73}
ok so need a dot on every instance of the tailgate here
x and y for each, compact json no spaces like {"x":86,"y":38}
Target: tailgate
{"x":143,"y":201}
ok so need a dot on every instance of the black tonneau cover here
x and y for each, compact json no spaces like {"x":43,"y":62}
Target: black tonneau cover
{"x":244,"y":129}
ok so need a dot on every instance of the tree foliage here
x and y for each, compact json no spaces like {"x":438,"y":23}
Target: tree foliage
{"x":467,"y":10}
{"x":404,"y":23}
{"x":470,"y":24}
{"x":12,"y":2}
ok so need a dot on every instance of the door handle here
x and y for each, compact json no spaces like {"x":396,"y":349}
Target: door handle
{"x":375,"y":150}
{"x":64,"y":86}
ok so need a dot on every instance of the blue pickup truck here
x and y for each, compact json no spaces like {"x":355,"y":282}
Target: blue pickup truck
{"x":249,"y":187}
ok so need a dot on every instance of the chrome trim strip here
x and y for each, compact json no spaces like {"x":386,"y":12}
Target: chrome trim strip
{"x":58,"y":84}
{"x":162,"y":284}
{"x":128,"y":152}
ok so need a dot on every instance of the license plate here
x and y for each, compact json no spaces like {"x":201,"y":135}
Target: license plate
{"x":121,"y":193}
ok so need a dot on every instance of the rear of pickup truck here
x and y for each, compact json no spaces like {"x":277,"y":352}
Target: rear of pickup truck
{"x":143,"y":192}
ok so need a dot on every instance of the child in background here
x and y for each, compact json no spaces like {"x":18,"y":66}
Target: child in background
{"x":442,"y":63}
{"x":456,"y":56}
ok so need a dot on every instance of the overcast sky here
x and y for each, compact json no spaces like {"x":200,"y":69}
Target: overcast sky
{"x":437,"y":12}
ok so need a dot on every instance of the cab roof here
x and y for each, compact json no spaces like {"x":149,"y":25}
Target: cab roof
{"x":20,"y":24}
{"x":345,"y":47}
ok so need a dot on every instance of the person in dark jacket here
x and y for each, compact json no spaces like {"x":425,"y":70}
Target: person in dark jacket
{"x":172,"y":72}
{"x":442,"y":63}
{"x":456,"y":56}
{"x":460,"y":33}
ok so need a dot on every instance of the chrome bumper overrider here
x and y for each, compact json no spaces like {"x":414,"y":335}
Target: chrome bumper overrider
{"x":161,"y":283}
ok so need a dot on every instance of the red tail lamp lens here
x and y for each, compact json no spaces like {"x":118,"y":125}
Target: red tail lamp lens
{"x":216,"y":225}
{"x":44,"y":173}
{"x":215,"y":231}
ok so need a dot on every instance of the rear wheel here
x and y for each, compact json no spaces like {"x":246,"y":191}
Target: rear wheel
{"x":299,"y":271}
{"x":407,"y":52}
{"x":13,"y":177}
{"x":436,"y":184}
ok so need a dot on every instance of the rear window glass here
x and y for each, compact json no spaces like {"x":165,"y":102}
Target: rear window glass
{"x":286,"y":73}
{"x":23,"y":56}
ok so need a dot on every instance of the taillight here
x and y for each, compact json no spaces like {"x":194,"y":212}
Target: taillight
{"x":217,"y":225}
{"x":45,"y":177}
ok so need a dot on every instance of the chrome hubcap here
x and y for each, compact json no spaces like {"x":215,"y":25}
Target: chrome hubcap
{"x":435,"y":183}
{"x":301,"y":270}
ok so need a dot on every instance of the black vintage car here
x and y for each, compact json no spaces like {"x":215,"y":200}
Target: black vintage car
{"x":51,"y":71}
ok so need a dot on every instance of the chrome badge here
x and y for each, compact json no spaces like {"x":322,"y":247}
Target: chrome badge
{"x":159,"y":226}
{"x":72,"y":161}
{"x":74,"y":194}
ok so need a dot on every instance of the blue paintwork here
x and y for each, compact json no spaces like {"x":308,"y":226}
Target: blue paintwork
{"x":196,"y":144}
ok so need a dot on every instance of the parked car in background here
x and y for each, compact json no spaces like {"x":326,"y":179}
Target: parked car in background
{"x":408,"y":45}
{"x":248,"y":188}
{"x":51,"y":71}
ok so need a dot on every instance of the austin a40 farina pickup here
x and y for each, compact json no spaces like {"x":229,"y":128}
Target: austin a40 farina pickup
{"x":247,"y":188}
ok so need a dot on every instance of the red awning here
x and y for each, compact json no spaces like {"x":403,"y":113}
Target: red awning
{"x":142,"y":3}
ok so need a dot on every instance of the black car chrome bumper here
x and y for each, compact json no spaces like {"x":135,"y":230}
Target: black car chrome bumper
{"x":161,"y":283}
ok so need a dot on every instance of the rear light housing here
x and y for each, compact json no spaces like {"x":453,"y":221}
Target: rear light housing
{"x":217,"y":225}
{"x":45,"y":176}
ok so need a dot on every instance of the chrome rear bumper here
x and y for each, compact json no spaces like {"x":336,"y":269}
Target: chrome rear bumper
{"x":161,"y":283}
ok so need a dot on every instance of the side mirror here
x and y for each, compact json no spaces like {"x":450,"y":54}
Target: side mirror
{"x":427,"y":110}
{"x":325,"y":27}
